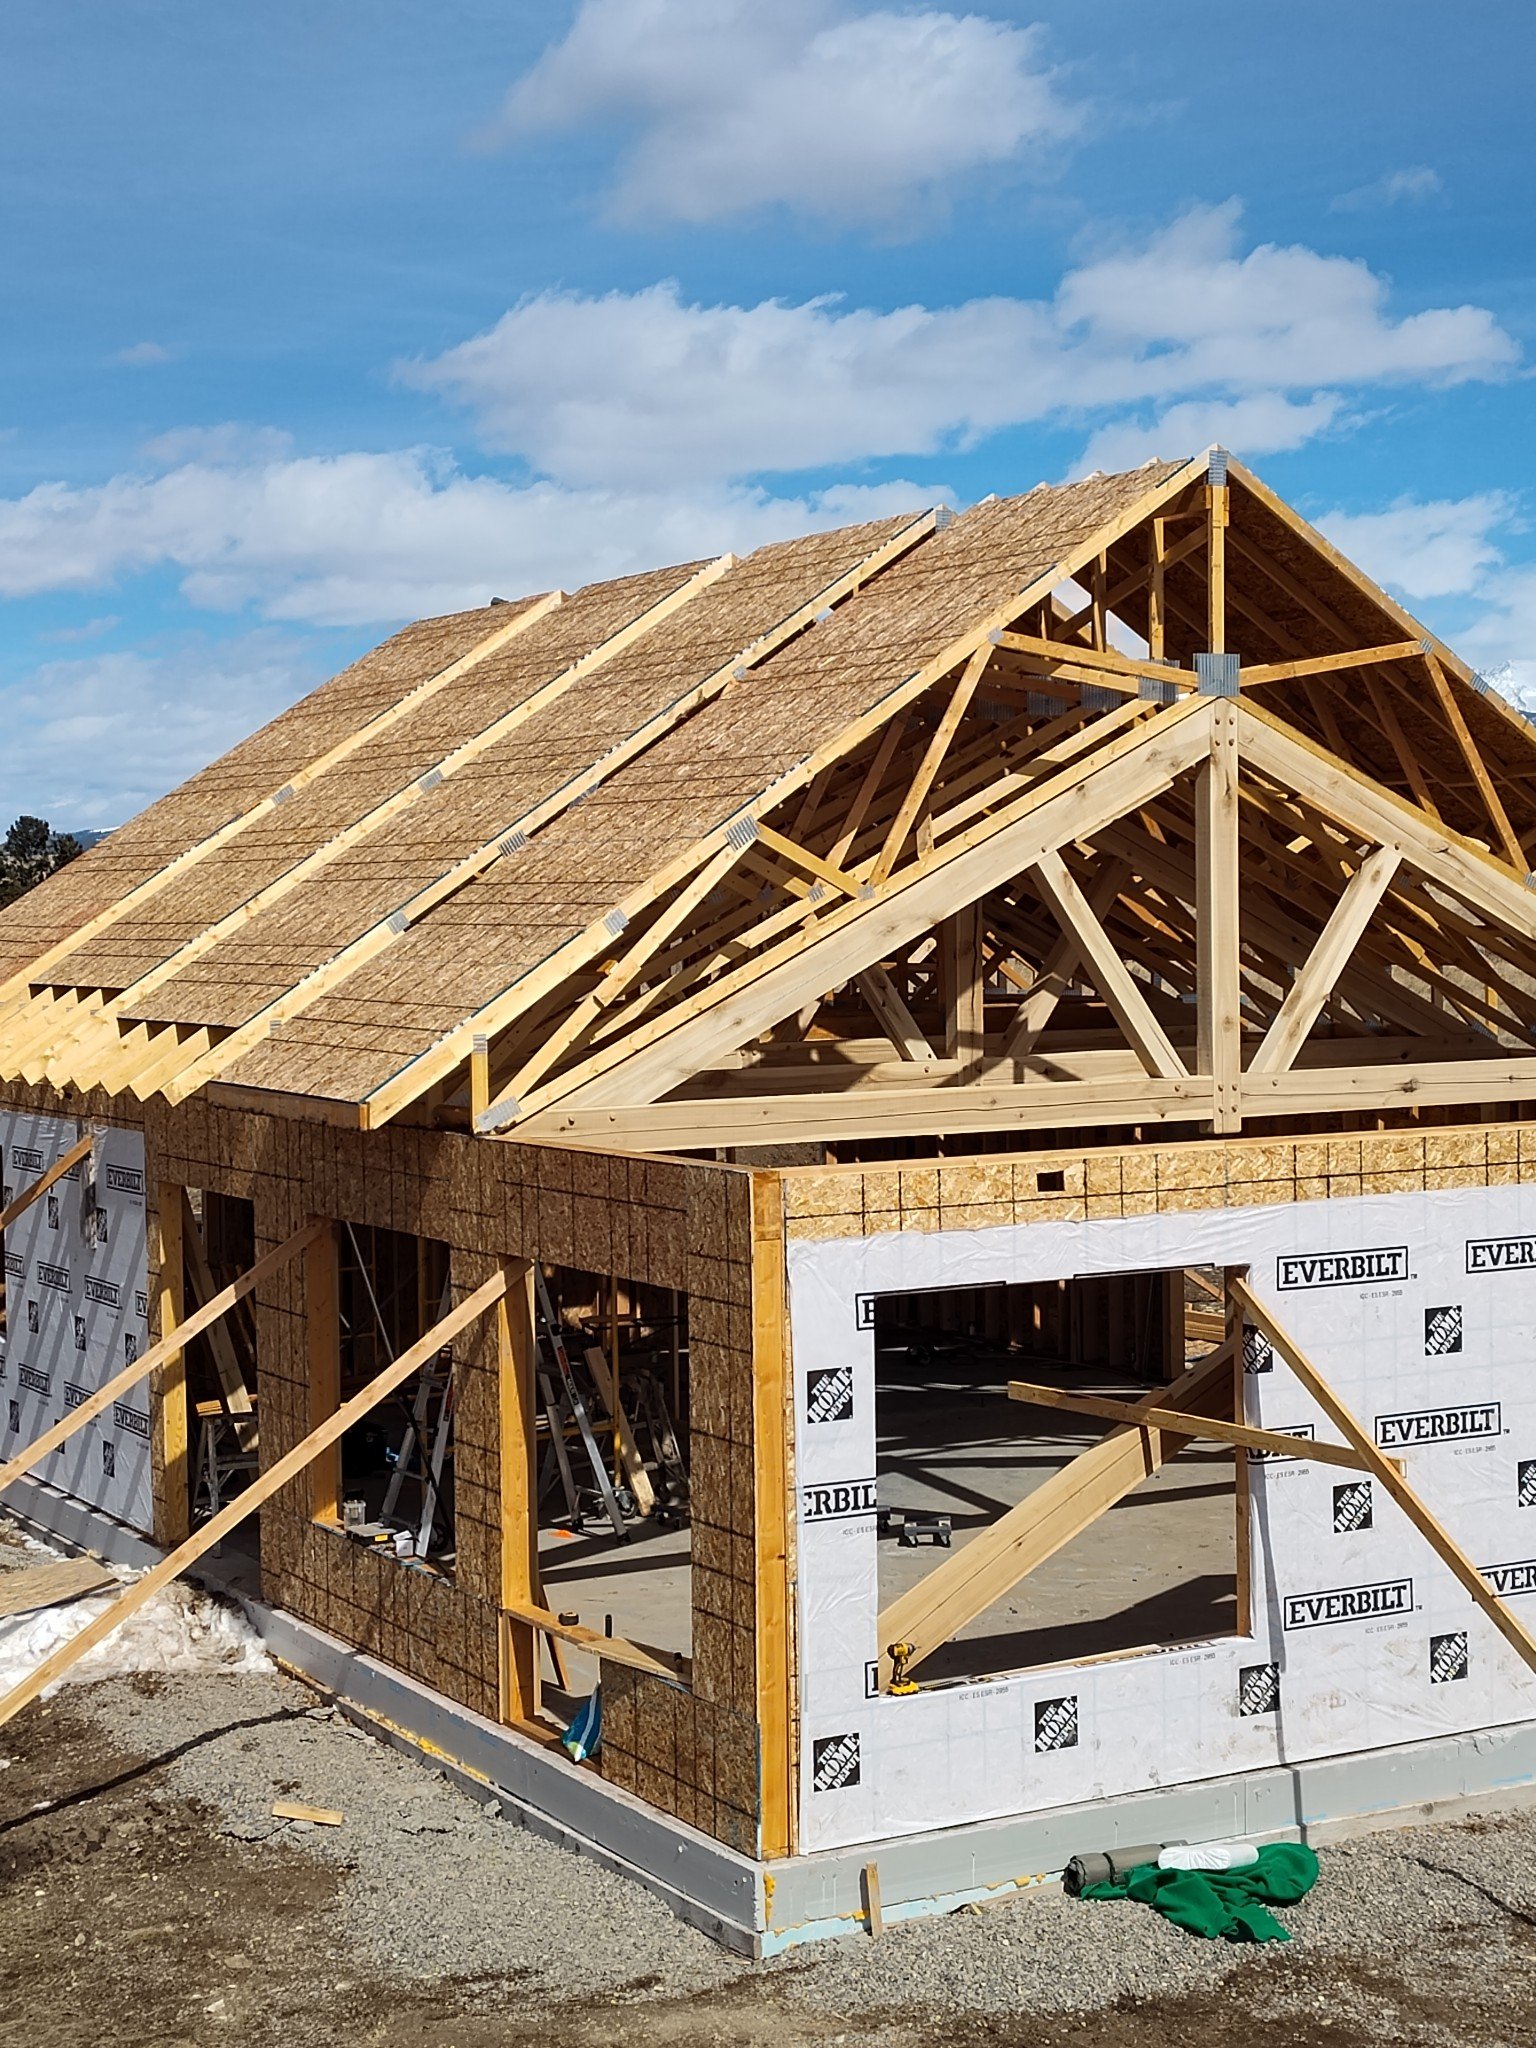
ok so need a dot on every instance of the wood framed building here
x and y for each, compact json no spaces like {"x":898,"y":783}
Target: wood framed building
{"x":1093,"y":933}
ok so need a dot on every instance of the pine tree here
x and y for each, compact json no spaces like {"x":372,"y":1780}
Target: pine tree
{"x":31,"y":852}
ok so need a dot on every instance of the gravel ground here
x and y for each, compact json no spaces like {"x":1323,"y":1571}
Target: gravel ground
{"x":423,"y":1917}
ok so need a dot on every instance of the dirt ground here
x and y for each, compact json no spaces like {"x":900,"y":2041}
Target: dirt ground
{"x":127,"y":1918}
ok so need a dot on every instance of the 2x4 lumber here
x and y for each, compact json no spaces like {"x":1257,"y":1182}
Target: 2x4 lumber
{"x":934,"y":1111}
{"x":1445,"y":696}
{"x":1392,"y":1480}
{"x":418,"y":1075}
{"x":245,"y":1504}
{"x":1329,"y":664}
{"x":1217,"y":516}
{"x":896,"y":1020}
{"x":541,"y":814}
{"x":168,"y":1415}
{"x":869,"y":787}
{"x":527,"y":616}
{"x":1040,"y":1003}
{"x":65,"y":1163}
{"x":1316,"y":1091}
{"x":169,"y":1347}
{"x":322,"y":1334}
{"x":609,"y":1649}
{"x":1218,"y":1007}
{"x":928,"y":768}
{"x":772,"y":1491}
{"x":518,"y":1421}
{"x":934,"y":1611}
{"x":1157,"y":577}
{"x":1275,"y":1442}
{"x":964,"y":992}
{"x":1104,"y":663}
{"x":1111,"y":977}
{"x":1319,"y":975}
{"x":632,"y":1464}
{"x":738,"y":1006}
{"x":802,"y":857}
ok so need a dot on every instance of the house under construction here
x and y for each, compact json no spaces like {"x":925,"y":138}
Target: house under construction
{"x":912,"y":1148}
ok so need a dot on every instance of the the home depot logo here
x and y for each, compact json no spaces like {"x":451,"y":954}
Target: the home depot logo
{"x":1500,"y":1254}
{"x":1352,"y":1507}
{"x":1258,"y":1352}
{"x":1525,"y":1483}
{"x":1439,"y":1425}
{"x":1056,"y":1723}
{"x":1447,"y":1657}
{"x":34,"y":1319}
{"x":1348,"y":1603}
{"x":79,"y":1333}
{"x":125,"y":1180}
{"x":1442,"y":1331}
{"x":56,"y":1277}
{"x":834,"y":1763}
{"x":829,"y":1394}
{"x":1511,"y":1578}
{"x":1343,"y":1269}
{"x":34,"y":1381}
{"x":835,"y":1503}
{"x":107,"y":1292}
{"x":1303,"y":1430}
{"x":1258,"y":1689}
{"x":134,"y":1420}
{"x":108,"y":1458}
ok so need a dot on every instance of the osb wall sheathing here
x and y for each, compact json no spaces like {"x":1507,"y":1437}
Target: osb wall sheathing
{"x":670,"y":1224}
{"x":1147,"y":1180}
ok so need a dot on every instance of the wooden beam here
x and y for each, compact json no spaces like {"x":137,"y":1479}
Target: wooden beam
{"x":1217,"y":936}
{"x":168,"y":1413}
{"x":772,"y":1491}
{"x":518,"y":1413}
{"x":1275,"y":1442}
{"x":1445,"y":696}
{"x":928,"y":768}
{"x":1393,"y":1483}
{"x":1217,"y":517}
{"x":672,"y":1665}
{"x":1132,"y":1012}
{"x":169,"y":1347}
{"x":1061,"y":964}
{"x":245,"y":1504}
{"x":933,"y":1611}
{"x":1157,"y":604}
{"x":322,"y":1348}
{"x":964,"y":993}
{"x":66,"y":1161}
{"x":896,"y":1020}
{"x":1319,"y":976}
{"x":1328,"y":664}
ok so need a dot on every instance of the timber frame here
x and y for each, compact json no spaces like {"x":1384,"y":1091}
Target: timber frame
{"x":1110,"y":851}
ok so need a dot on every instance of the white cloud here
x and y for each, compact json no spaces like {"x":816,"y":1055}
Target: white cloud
{"x":846,"y":116}
{"x":1442,"y":548}
{"x":348,"y":539}
{"x":91,"y":740}
{"x":1266,"y":423}
{"x":1416,"y":183}
{"x":143,"y":354}
{"x":642,"y":388}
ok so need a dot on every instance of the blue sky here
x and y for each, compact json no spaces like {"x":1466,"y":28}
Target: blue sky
{"x":325,"y":316}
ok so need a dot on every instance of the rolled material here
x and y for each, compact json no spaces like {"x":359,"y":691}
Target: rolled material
{"x":1104,"y":1866}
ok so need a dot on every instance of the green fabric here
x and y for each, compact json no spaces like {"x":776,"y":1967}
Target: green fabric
{"x":1230,"y":1903}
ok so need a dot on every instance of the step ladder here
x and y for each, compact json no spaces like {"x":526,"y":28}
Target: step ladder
{"x":564,"y":1404}
{"x":423,"y":1453}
